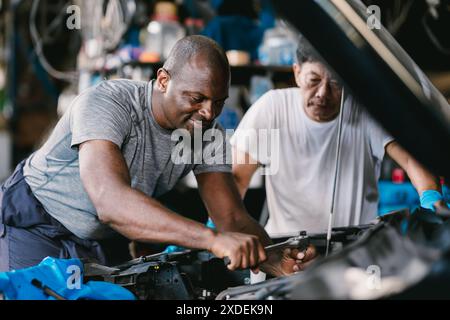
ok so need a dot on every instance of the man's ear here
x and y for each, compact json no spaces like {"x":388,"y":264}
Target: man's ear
{"x":297,"y":68}
{"x":162,"y":79}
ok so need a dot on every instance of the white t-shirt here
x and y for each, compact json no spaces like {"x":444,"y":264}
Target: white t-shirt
{"x":299,"y":194}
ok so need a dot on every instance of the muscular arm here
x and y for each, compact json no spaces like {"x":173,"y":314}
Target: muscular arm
{"x":224,"y":204}
{"x":105,"y":177}
{"x":420,"y":177}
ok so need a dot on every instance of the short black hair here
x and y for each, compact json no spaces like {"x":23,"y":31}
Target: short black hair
{"x":185,"y":48}
{"x":305,"y":51}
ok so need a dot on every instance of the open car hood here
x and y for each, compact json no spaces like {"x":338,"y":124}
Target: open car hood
{"x":402,"y":256}
{"x":379,"y":73}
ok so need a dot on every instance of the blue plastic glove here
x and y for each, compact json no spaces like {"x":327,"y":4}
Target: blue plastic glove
{"x":429,"y":198}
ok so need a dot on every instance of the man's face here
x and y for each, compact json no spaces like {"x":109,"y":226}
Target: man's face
{"x":321,"y":93}
{"x":196,"y":96}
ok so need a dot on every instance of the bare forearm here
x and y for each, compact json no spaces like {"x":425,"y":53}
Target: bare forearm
{"x":244,"y":223}
{"x":222,"y":200}
{"x":106,"y":179}
{"x":251,"y":226}
{"x":420,"y":177}
{"x":141,"y":218}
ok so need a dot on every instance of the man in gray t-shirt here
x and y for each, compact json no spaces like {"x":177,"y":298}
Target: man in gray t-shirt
{"x":118,"y":111}
{"x":112,"y":153}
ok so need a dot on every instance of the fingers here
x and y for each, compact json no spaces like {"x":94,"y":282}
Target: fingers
{"x":296,"y":254}
{"x":255,"y":258}
{"x":291,"y":252}
{"x":257,"y":253}
{"x":249,"y":253}
{"x":243,"y":250}
{"x":235,"y":261}
{"x":440,"y":205}
{"x":305,"y":259}
{"x":252,"y":254}
{"x":261,"y":253}
{"x":310,"y":253}
{"x":255,"y":270}
{"x":306,"y":255}
{"x":301,"y":266}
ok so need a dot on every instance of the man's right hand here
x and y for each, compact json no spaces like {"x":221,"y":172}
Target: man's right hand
{"x":243,"y":250}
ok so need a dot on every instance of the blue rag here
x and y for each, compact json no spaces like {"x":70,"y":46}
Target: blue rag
{"x":64,"y":277}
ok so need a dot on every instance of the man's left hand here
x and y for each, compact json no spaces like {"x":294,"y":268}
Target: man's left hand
{"x":281,"y":263}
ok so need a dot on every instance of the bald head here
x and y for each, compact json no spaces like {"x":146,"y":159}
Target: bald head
{"x":193,"y":46}
{"x":190,"y":90}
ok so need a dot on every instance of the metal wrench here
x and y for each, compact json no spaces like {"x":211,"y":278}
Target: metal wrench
{"x":300,"y":242}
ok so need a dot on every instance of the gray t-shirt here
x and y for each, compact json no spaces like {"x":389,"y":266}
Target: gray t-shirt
{"x":118,"y":111}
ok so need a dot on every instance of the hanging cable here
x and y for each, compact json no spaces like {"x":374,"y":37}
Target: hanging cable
{"x":106,"y":21}
{"x":336,"y":172}
{"x":398,"y":16}
{"x":433,"y":13}
{"x":69,"y":76}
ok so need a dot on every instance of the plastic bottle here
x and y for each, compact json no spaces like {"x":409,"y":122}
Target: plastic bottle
{"x":278,"y":47}
{"x":161,"y":33}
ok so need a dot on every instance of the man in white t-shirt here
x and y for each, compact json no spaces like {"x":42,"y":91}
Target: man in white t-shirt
{"x":302,"y":162}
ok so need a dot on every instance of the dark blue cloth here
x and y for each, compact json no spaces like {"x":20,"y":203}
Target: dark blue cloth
{"x":235,"y":33}
{"x":28,"y":233}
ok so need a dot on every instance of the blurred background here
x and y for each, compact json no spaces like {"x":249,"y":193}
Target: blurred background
{"x":50,"y":50}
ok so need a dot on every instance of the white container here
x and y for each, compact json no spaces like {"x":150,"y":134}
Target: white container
{"x":163,"y":32}
{"x":278,"y":47}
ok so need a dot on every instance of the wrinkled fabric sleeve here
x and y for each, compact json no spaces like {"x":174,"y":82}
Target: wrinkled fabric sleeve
{"x":253,"y":133}
{"x":95,"y":115}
